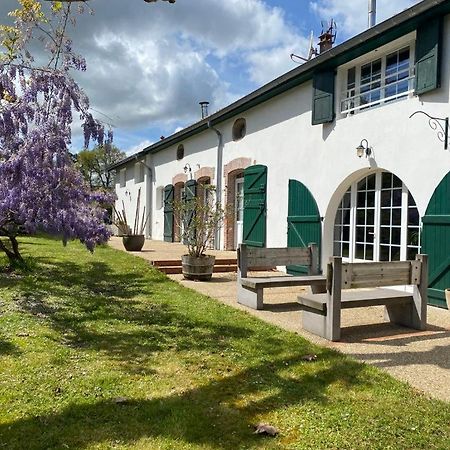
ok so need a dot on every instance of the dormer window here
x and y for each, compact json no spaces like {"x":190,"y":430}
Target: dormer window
{"x":380,"y":81}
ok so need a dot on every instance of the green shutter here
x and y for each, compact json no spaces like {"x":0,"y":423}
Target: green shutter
{"x":304,"y":223}
{"x":168,"y":213}
{"x":255,"y":189}
{"x":436,"y":242}
{"x":190,"y":192}
{"x":323,"y":97}
{"x":428,"y":55}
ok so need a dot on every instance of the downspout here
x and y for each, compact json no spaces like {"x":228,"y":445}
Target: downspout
{"x":148,"y":197}
{"x":219,"y":172}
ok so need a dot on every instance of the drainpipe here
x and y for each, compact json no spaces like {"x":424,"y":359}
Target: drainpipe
{"x":148,"y":196}
{"x":218,"y":177}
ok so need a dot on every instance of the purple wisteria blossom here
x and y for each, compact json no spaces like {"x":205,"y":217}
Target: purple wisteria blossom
{"x":41,"y":190}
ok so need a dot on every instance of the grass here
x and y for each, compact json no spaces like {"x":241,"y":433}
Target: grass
{"x":101,"y":351}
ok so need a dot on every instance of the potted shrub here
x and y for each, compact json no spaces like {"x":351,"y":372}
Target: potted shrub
{"x":133,"y":239}
{"x":201,"y":217}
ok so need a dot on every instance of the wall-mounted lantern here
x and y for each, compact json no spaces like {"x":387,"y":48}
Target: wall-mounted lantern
{"x":363,"y":149}
{"x":187,"y":168}
{"x":439,"y":124}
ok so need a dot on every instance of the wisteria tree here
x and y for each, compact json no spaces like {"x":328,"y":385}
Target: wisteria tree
{"x":41,"y":190}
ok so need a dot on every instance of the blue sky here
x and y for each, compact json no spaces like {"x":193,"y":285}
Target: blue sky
{"x":149,"y":64}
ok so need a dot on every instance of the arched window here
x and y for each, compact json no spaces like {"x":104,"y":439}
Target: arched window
{"x":377,"y":220}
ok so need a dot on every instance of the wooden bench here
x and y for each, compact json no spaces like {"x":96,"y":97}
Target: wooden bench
{"x":250,"y":289}
{"x":322,"y":312}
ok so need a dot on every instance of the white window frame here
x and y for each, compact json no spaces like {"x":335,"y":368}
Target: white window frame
{"x":139,"y":172}
{"x":377,"y":222}
{"x":357,"y":107}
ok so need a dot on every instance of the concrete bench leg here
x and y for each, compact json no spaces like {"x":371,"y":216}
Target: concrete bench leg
{"x":408,"y":315}
{"x":314,"y":322}
{"x":252,"y":299}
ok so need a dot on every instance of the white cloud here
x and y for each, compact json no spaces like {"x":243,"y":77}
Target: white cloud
{"x":352,"y":16}
{"x":138,"y":147}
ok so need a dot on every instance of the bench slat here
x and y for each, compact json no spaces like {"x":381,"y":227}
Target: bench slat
{"x":270,"y":257}
{"x":281,"y":281}
{"x":358,"y":299}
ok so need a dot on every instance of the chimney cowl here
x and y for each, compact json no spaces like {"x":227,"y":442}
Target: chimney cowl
{"x":204,"y":107}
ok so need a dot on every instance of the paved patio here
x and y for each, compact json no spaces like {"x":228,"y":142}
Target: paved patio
{"x":421,"y":358}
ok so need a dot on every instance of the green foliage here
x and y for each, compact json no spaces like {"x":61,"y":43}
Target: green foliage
{"x":102,"y":351}
{"x":94,"y":165}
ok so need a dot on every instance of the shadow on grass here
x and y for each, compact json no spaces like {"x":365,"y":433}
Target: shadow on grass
{"x":214,"y":414}
{"x":8,"y":348}
{"x":127,"y":316}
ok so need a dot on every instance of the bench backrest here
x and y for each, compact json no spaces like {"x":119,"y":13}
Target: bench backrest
{"x":376,"y":274}
{"x":252,"y":257}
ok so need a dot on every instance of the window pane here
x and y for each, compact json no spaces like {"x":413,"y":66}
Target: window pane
{"x":385,"y":235}
{"x":345,"y":250}
{"x":371,"y":199}
{"x":359,"y":251}
{"x":385,"y":217}
{"x":396,"y":236}
{"x":371,"y":182}
{"x":337,"y":233}
{"x":411,"y":253}
{"x":370,"y":219}
{"x":369,"y":252}
{"x":413,"y":216}
{"x":346,"y":217}
{"x":395,"y":253}
{"x":384,"y":253}
{"x":396,"y":216}
{"x":397,"y":197}
{"x":396,"y":181}
{"x":386,"y":180}
{"x":369,"y":235}
{"x":413,"y":236}
{"x":337,"y":249}
{"x":360,"y":232}
{"x":386,"y":198}
{"x":346,"y":234}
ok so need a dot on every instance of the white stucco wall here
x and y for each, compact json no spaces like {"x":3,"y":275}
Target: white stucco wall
{"x":323,"y":157}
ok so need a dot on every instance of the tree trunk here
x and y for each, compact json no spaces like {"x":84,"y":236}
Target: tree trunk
{"x":13,"y":253}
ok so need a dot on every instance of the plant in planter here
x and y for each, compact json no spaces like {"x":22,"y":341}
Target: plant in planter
{"x":201,"y":216}
{"x":133,"y":239}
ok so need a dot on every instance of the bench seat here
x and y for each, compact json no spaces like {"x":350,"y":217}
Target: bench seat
{"x":254,"y":283}
{"x":356,"y":299}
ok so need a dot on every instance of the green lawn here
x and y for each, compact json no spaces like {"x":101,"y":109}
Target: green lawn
{"x":102,"y":351}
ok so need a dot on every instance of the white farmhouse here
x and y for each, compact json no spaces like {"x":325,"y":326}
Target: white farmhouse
{"x":326,"y":153}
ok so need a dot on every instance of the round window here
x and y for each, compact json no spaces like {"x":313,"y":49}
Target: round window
{"x":239,"y":129}
{"x":180,"y":152}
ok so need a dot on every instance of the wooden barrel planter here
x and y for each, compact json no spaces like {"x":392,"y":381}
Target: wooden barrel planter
{"x":133,"y":242}
{"x":198,"y":268}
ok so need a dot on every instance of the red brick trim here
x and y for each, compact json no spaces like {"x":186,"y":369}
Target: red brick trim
{"x":231,"y":171}
{"x":179,"y":178}
{"x":235,"y":164}
{"x":204,"y":172}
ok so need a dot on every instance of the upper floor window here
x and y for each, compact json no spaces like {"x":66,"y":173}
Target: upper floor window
{"x":382,"y":80}
{"x":123,"y":177}
{"x":139,"y":172}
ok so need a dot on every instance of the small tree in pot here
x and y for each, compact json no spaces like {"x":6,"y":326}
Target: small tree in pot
{"x":201,"y":216}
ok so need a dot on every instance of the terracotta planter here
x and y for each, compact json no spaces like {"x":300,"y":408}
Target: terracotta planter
{"x":133,"y":242}
{"x":198,"y":268}
{"x":447,"y":297}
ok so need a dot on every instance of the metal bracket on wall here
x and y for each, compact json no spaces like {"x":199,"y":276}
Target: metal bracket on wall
{"x":436,"y":123}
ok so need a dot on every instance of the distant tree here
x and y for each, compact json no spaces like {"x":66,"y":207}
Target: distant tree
{"x":94,"y":164}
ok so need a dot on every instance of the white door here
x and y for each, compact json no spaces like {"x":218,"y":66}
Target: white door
{"x":239,"y":211}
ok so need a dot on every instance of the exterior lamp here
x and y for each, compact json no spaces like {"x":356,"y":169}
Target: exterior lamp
{"x":363,"y":149}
